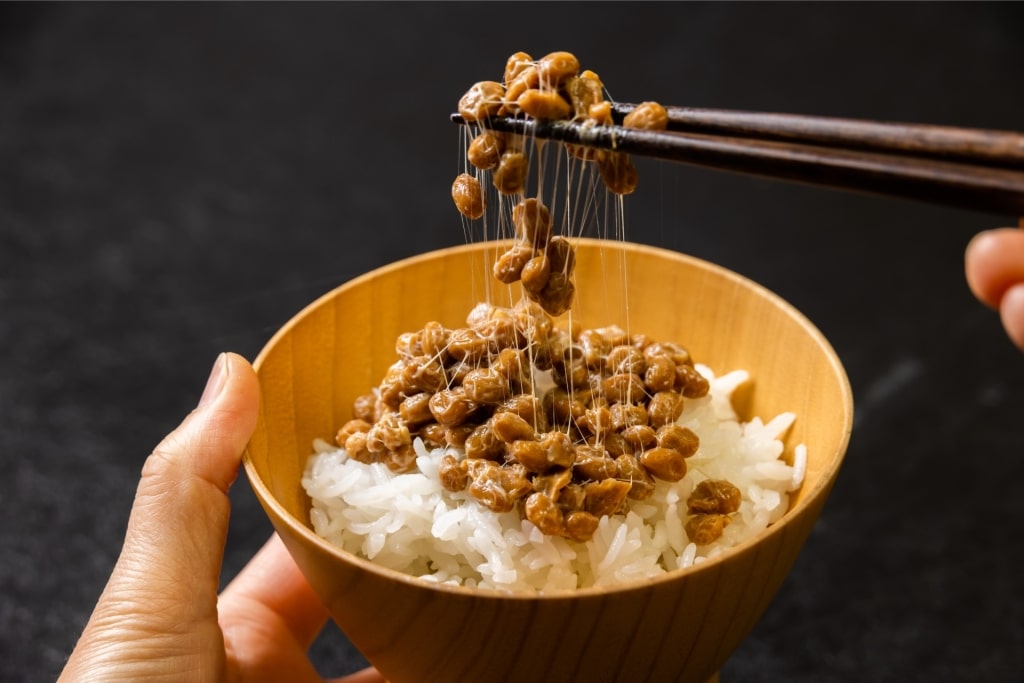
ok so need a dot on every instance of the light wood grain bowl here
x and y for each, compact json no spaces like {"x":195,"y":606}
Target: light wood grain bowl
{"x":681,"y":627}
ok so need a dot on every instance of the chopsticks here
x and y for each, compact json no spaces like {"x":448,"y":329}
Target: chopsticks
{"x":967,"y":168}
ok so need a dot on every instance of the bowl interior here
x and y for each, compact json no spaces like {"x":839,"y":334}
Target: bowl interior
{"x":341,"y":345}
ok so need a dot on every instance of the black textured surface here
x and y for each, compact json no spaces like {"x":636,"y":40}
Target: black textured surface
{"x":180,"y":180}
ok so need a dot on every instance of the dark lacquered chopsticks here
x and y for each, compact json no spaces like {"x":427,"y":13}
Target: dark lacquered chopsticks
{"x":967,"y":168}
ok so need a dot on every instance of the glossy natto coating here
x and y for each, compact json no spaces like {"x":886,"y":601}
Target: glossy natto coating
{"x":679,"y":627}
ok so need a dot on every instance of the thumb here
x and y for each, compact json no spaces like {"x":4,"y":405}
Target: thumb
{"x":167,"y":576}
{"x":178,"y":524}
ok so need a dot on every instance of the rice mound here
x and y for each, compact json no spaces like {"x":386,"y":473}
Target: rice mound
{"x":410,"y":523}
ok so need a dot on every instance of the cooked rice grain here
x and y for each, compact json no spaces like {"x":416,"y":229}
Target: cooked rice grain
{"x":410,"y":523}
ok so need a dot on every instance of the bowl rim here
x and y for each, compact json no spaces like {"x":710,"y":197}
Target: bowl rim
{"x":821,"y":487}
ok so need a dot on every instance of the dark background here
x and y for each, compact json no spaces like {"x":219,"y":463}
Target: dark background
{"x":177,"y":180}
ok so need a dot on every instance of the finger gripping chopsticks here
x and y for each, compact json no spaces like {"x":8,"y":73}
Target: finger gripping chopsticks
{"x":967,"y":168}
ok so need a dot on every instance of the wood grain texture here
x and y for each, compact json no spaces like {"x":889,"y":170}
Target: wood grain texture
{"x":681,"y":627}
{"x":968,"y":170}
{"x":997,"y":147}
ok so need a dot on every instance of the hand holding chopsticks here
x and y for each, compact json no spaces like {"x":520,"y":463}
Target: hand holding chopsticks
{"x":967,"y":168}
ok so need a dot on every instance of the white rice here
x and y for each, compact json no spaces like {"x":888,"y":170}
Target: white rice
{"x":410,"y":523}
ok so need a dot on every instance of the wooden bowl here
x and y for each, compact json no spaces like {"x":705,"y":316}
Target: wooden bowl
{"x":680,"y":627}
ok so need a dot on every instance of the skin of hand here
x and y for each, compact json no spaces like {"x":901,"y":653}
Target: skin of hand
{"x":994,"y":265}
{"x":160,"y":617}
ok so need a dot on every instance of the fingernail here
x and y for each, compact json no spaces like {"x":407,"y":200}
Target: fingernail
{"x":218,"y":378}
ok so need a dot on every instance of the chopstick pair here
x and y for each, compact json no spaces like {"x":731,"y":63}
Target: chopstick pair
{"x":975,"y":169}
